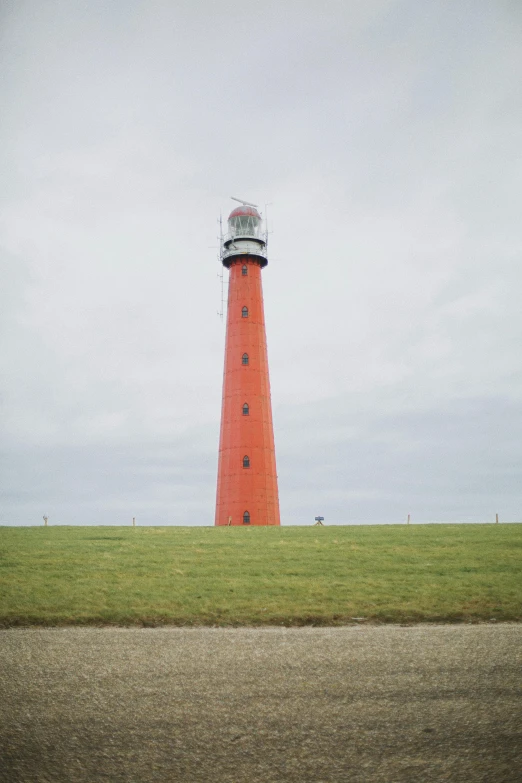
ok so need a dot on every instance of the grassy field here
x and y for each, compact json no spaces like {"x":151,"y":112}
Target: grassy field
{"x":259,"y":576}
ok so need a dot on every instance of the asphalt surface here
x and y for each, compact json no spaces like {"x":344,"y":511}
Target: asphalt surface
{"x":354,"y":704}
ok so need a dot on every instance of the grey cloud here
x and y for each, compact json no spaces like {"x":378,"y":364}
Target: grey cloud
{"x":457,"y":462}
{"x":385,"y":135}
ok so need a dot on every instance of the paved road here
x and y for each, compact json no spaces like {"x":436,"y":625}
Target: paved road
{"x":306,"y":705}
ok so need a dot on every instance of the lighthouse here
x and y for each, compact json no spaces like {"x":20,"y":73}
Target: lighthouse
{"x":247,"y":479}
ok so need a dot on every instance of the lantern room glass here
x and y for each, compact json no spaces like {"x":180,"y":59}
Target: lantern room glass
{"x":244,"y":226}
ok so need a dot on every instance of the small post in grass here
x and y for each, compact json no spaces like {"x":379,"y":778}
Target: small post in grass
{"x":496,"y":520}
{"x":45,"y":518}
{"x":133,"y":521}
{"x":408,"y":519}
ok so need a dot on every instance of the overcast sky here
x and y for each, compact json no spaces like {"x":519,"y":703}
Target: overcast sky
{"x":385,"y":135}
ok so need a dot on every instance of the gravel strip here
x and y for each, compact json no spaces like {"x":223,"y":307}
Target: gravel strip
{"x":386,"y":703}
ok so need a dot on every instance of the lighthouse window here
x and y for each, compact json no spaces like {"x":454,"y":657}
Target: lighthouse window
{"x":246,"y":461}
{"x":244,"y":271}
{"x":244,"y":359}
{"x":246,"y":409}
{"x":246,"y":518}
{"x":244,"y":312}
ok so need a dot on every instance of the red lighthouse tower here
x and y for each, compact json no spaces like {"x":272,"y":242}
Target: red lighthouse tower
{"x":247,"y":479}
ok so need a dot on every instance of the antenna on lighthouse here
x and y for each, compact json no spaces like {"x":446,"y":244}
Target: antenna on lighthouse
{"x":245,"y":203}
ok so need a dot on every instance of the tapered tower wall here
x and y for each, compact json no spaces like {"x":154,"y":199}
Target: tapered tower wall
{"x":246,"y":487}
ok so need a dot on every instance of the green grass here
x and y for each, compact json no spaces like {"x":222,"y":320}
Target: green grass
{"x":259,"y":576}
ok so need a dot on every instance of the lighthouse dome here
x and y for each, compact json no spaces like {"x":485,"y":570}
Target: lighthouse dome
{"x":245,"y":209}
{"x":244,"y":221}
